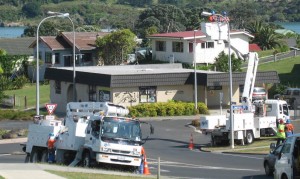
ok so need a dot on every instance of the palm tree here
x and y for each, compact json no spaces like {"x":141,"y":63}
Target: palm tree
{"x":264,"y":35}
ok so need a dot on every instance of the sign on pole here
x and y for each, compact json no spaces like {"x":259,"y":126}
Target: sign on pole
{"x":51,"y":108}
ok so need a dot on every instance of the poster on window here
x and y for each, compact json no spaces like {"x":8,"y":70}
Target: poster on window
{"x":104,"y":96}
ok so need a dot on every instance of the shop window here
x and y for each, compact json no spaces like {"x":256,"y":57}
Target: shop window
{"x":148,"y":94}
{"x":57,"y":87}
{"x":92,"y":93}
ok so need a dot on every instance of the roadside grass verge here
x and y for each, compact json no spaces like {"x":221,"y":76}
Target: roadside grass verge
{"x":29,"y":90}
{"x":78,"y":175}
{"x":259,"y":146}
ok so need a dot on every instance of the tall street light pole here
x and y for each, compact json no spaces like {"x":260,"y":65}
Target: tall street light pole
{"x":195,"y":73}
{"x":74,"y":57}
{"x":37,"y":61}
{"x":219,"y":18}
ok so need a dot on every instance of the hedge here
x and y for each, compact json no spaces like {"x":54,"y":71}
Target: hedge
{"x":172,"y":108}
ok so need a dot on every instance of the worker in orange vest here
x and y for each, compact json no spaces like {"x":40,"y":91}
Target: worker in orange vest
{"x":51,"y":148}
{"x":289,"y":128}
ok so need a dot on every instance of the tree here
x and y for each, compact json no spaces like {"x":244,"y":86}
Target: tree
{"x":114,"y":46}
{"x":222,"y":63}
{"x":264,"y":35}
{"x":31,"y":9}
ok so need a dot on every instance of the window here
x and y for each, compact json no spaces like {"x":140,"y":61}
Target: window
{"x":148,"y":94}
{"x":208,"y":45}
{"x":48,"y":57}
{"x":161,"y":46}
{"x":191,"y":47}
{"x":57,"y":61}
{"x":177,"y":46}
{"x":86,"y":57}
{"x":57,"y":87}
{"x":92,"y":93}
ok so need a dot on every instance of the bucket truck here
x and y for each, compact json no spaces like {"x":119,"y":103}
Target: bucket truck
{"x":87,"y":137}
{"x":252,"y":119}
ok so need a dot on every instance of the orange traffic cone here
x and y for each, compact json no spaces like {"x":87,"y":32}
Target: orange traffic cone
{"x":191,"y":145}
{"x":146,"y":168}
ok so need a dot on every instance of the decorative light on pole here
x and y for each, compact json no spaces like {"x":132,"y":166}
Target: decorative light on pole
{"x":74,"y":57}
{"x":219,"y":18}
{"x":195,"y":67}
{"x":37,"y":61}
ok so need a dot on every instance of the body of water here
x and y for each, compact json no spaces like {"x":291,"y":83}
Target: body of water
{"x":294,"y":26}
{"x":11,"y":32}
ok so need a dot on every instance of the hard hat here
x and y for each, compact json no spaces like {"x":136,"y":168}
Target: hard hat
{"x":281,"y":121}
{"x":288,"y":121}
{"x":51,"y":134}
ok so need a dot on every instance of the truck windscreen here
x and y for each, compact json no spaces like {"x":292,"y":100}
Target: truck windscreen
{"x":120,"y":128}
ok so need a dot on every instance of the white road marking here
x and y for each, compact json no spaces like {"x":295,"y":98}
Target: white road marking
{"x":4,"y":155}
{"x":186,"y":165}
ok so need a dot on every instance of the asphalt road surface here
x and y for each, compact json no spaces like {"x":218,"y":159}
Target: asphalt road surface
{"x":170,"y":143}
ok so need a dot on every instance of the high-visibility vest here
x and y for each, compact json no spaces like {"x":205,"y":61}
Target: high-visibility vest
{"x":281,"y":132}
{"x":51,"y":142}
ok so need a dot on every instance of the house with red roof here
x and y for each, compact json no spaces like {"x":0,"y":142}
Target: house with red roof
{"x":185,"y":46}
{"x":254,"y":48}
{"x":57,"y":51}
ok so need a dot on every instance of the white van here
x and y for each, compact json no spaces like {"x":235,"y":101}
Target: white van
{"x":287,"y":166}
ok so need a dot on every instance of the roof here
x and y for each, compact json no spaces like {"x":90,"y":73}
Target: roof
{"x":150,"y":75}
{"x":17,"y":46}
{"x":83,"y":40}
{"x":254,"y":48}
{"x":191,"y":34}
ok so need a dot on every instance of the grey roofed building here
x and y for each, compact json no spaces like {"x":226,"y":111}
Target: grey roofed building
{"x":165,"y":81}
{"x":17,"y":46}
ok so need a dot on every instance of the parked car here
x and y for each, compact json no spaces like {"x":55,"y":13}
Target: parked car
{"x":270,"y":159}
{"x":291,"y":96}
{"x":259,"y":93}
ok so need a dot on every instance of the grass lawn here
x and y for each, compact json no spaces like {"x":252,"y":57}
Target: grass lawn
{"x":259,"y":146}
{"x":288,"y":70}
{"x":77,"y":175}
{"x":30,"y":92}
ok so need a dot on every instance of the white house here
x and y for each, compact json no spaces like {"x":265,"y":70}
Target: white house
{"x":179,"y":46}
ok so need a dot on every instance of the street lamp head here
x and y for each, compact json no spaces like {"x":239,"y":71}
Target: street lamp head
{"x":204,"y":13}
{"x":58,"y":14}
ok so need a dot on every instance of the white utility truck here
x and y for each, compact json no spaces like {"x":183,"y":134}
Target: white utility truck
{"x":252,"y":119}
{"x":87,"y":137}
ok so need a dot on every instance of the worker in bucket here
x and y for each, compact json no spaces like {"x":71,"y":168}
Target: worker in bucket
{"x":280,"y":132}
{"x":51,"y":148}
{"x":289,"y":128}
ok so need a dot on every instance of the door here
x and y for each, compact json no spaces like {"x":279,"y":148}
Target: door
{"x":285,"y":159}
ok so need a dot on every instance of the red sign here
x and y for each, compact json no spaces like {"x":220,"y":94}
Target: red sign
{"x":51,"y":108}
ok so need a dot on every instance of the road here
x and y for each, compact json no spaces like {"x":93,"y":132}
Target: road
{"x":170,"y":142}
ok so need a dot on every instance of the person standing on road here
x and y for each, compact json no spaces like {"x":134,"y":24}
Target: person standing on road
{"x":289,"y":128}
{"x":51,"y":148}
{"x":280,"y":133}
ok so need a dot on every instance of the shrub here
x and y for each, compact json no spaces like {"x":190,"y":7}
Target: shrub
{"x":196,"y":123}
{"x":170,"y":108}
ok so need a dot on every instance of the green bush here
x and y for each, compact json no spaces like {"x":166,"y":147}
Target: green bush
{"x":20,"y":82}
{"x":170,"y":108}
{"x":16,"y":115}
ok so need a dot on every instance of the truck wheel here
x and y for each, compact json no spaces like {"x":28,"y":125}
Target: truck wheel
{"x":86,"y":160}
{"x":34,"y":157}
{"x":27,"y":158}
{"x":44,"y":158}
{"x":249,"y":137}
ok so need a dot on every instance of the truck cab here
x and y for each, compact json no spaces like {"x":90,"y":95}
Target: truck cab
{"x":288,"y":163}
